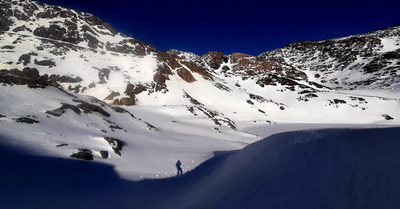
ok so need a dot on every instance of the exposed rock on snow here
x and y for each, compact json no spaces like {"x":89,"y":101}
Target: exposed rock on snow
{"x":28,"y":76}
{"x":215,"y":59}
{"x":85,"y":154}
{"x":104,"y":154}
{"x":116,"y":144}
{"x":25,"y":120}
{"x":61,"y":110}
{"x":61,"y":145}
{"x":387,"y":117}
{"x":89,"y":108}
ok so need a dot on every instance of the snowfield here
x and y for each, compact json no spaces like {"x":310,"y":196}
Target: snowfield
{"x":149,"y":152}
{"x":330,"y":168}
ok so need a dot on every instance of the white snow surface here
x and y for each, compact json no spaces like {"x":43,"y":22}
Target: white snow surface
{"x":147,"y":154}
{"x":330,"y":168}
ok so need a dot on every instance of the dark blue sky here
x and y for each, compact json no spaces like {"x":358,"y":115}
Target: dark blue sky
{"x":249,"y":26}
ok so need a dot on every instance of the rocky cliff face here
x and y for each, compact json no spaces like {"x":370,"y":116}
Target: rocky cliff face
{"x":66,"y":25}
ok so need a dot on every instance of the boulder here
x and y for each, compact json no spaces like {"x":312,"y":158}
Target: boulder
{"x":127,"y":101}
{"x":104,"y":154}
{"x":387,"y":117}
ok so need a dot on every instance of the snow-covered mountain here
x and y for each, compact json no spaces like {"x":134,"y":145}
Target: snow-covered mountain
{"x":368,"y":60}
{"x":73,"y":86}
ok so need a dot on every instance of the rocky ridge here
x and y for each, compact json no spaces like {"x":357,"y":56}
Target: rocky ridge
{"x":368,"y":60}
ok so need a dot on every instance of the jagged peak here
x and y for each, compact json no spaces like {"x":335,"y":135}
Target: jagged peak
{"x":382,"y":33}
{"x":67,"y":25}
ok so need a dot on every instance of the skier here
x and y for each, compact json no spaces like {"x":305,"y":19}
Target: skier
{"x":178,"y":166}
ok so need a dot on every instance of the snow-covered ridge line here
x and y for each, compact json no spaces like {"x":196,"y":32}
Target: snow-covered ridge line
{"x":355,"y":62}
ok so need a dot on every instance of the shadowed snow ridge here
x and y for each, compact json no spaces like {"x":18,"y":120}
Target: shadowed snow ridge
{"x":336,"y":168}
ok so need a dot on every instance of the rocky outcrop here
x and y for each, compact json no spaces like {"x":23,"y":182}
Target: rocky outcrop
{"x":185,"y":75}
{"x":383,"y":61}
{"x":161,"y":76}
{"x":131,"y":91}
{"x":61,"y":110}
{"x":89,"y":108}
{"x":49,"y":63}
{"x":126,"y":101}
{"x":264,"y":71}
{"x":134,"y":89}
{"x":215,"y":59}
{"x":65,"y":79}
{"x":193,"y":62}
{"x":134,"y":46}
{"x":252,"y":65}
{"x":197,"y":68}
{"x":85,"y":154}
{"x":26,"y":58}
{"x":25,"y":120}
{"x":71,"y":26}
{"x":116,"y":144}
{"x":57,"y":32}
{"x":103,"y":75}
{"x":28,"y":76}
